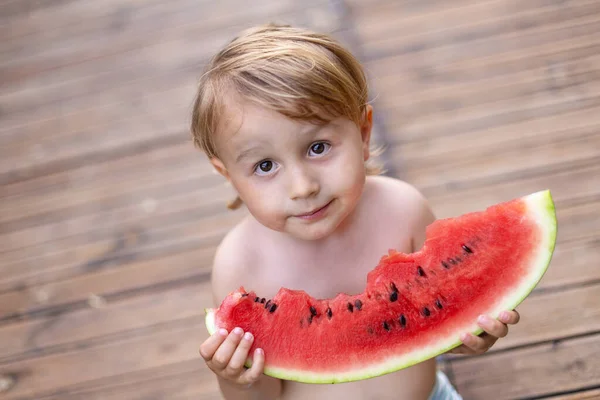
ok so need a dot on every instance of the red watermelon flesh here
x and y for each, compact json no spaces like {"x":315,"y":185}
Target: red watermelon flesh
{"x":414,"y":306}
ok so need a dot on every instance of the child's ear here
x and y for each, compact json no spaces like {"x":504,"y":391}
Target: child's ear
{"x":219,"y":167}
{"x":365,"y":130}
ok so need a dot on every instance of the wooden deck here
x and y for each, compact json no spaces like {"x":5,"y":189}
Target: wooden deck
{"x":109,"y":218}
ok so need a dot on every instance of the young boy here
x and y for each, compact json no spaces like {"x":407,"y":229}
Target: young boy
{"x":282,"y":114}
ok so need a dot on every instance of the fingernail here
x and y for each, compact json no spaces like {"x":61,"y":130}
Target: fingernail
{"x":223,"y":332}
{"x":259,"y":352}
{"x":464,"y":337}
{"x":483,"y":319}
{"x":504,"y":316}
{"x":238,"y":331}
{"x":248,"y":336}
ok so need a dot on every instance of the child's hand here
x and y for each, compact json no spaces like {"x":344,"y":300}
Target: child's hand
{"x":493,"y":330}
{"x":226,"y":354}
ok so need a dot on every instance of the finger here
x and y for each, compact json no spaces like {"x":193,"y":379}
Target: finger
{"x":225,"y":351}
{"x":510,"y":317}
{"x":240,"y":355}
{"x":210,"y":345}
{"x":255,"y":371}
{"x":477,"y":344}
{"x":493,"y":326}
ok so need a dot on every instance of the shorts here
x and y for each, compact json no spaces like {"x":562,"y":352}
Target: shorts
{"x":443,"y":389}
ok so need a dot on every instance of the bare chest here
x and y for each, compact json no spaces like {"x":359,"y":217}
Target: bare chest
{"x":326,"y":274}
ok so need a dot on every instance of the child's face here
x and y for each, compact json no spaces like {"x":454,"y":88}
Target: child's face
{"x":294,"y":177}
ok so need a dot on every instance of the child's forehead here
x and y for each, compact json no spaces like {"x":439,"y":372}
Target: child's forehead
{"x":243,"y":120}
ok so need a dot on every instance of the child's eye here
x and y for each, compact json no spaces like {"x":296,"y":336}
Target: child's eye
{"x":265,"y":168}
{"x":319,"y":149}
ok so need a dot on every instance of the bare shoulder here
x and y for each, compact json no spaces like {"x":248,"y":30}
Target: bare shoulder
{"x":402,"y":202}
{"x":232,"y":260}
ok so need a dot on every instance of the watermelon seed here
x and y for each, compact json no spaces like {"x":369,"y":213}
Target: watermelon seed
{"x":244,"y":294}
{"x":426,"y":312}
{"x":386,"y":326}
{"x":310,"y":319}
{"x":358,"y":304}
{"x":458,"y":259}
{"x":438,"y":304}
{"x":467,"y":248}
{"x":445,"y":264}
{"x":452,"y":261}
{"x":350,"y":307}
{"x":273,"y":308}
{"x":394,"y":288}
{"x":329,"y":313}
{"x":268,"y":304}
{"x":420,"y":271}
{"x":393,"y":296}
{"x":256,"y":300}
{"x":402,"y":320}
{"x":313,"y":311}
{"x":263,"y":300}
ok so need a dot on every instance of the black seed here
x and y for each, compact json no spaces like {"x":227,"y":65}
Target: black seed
{"x":350,"y":307}
{"x":393,"y":296}
{"x":273,"y":308}
{"x":329,"y":313}
{"x":310,"y":319}
{"x":420,"y":271}
{"x":256,"y":300}
{"x":244,"y":294}
{"x":438,"y":304}
{"x":313,"y":311}
{"x":402,"y":321}
{"x":426,"y":312}
{"x":386,"y":326}
{"x":358,"y":304}
{"x":394,"y":288}
{"x":268,"y":304}
{"x":445,"y":264}
{"x":263,"y":300}
{"x":467,"y":249}
{"x":452,"y":261}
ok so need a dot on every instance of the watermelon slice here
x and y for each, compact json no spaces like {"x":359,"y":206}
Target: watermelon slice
{"x":414,"y":306}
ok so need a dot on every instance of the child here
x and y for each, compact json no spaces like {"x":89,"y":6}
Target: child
{"x":282,"y":114}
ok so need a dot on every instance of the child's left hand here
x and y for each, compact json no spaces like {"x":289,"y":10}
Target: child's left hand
{"x":493,"y":330}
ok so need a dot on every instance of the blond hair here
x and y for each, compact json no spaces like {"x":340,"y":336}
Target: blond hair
{"x":301,"y":74}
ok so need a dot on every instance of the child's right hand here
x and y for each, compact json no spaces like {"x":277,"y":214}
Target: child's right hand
{"x":226,"y":354}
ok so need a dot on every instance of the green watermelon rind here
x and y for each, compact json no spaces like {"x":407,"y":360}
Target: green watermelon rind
{"x":540,"y":206}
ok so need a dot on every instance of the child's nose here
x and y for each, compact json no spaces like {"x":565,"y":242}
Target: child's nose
{"x":302,"y":185}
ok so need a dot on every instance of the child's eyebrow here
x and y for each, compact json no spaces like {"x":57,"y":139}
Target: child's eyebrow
{"x":247,"y":152}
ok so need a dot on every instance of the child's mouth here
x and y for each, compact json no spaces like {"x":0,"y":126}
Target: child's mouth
{"x":315,"y":213}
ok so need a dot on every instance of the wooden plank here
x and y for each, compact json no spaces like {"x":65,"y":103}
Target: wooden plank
{"x":533,"y":371}
{"x":131,"y":277}
{"x":89,"y":199}
{"x":431,"y":70}
{"x":104,"y":322}
{"x":444,"y":18}
{"x":40,"y":376}
{"x":137,"y":56}
{"x":426,"y":99}
{"x":185,"y":380}
{"x":199,"y":384}
{"x":583,"y":95}
{"x":479,"y":165}
{"x":555,"y":315}
{"x":487,"y":37}
{"x":131,"y":167}
{"x":48,"y":262}
{"x":146,"y":212}
{"x":500,"y":133}
{"x":593,"y":394}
